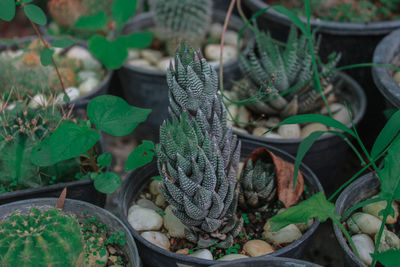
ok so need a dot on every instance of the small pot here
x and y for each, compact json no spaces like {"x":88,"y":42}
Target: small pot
{"x":146,"y":88}
{"x":80,"y":189}
{"x":101,"y":89}
{"x":355,"y":41}
{"x":384,"y":53}
{"x":327,"y":155}
{"x":270,"y":262}
{"x":79,"y":209}
{"x":155,"y":256}
{"x":363,"y":188}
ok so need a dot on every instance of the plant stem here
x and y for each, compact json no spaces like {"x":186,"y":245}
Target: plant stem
{"x":378,"y":240}
{"x":346,"y":234}
{"x":92,"y":161}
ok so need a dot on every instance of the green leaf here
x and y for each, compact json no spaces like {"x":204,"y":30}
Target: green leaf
{"x":316,"y":206}
{"x":104,"y":159}
{"x":63,"y":43}
{"x":92,"y":22}
{"x":389,"y":258}
{"x":390,"y":174}
{"x":35,"y":14}
{"x":45,"y":56}
{"x":122,"y":10}
{"x":327,"y":121}
{"x":137,"y":39}
{"x":111,"y":53}
{"x":107,"y":182}
{"x":140,"y":156}
{"x":40,"y":155}
{"x":66,"y":98}
{"x":388,"y":133}
{"x":7,"y":10}
{"x":113,"y":115}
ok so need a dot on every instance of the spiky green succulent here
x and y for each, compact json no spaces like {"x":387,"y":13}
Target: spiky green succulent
{"x":198,"y":156}
{"x":283,"y":75}
{"x":22,"y":128}
{"x":41,"y":238}
{"x":257,"y":184}
{"x":178,"y":20}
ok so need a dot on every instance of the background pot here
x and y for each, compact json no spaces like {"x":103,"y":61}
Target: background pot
{"x":363,"y":188}
{"x":384,"y":53}
{"x":101,"y":89}
{"x":146,"y":88}
{"x":270,"y":262}
{"x":327,"y":156}
{"x":79,"y":208}
{"x":356,"y":42}
{"x":155,"y":256}
{"x":79,"y":189}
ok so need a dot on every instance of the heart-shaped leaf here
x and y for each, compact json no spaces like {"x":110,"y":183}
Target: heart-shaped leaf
{"x":92,"y":22}
{"x":107,"y":182}
{"x":138,"y":39}
{"x":111,"y":53}
{"x":122,"y":10}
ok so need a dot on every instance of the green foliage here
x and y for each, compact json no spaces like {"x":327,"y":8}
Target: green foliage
{"x":35,"y":14}
{"x":104,"y":160}
{"x":197,"y":155}
{"x":41,"y":238}
{"x":7,"y":10}
{"x":107,"y":182}
{"x":257,"y":184}
{"x":46,"y":56}
{"x":389,"y":258}
{"x":92,"y":22}
{"x":142,"y":155}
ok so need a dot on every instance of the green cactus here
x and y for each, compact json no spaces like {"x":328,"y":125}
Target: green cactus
{"x":22,"y":128}
{"x":257,"y":184}
{"x":198,"y":156}
{"x":178,"y":20}
{"x":280,"y":69}
{"x":41,"y":238}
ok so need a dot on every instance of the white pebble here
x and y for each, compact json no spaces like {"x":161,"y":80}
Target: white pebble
{"x":38,"y":100}
{"x":157,"y":238}
{"x":202,"y":254}
{"x":73,"y":93}
{"x":290,"y":131}
{"x":212,"y":52}
{"x":88,"y":86}
{"x":365,"y":247}
{"x":142,"y":219}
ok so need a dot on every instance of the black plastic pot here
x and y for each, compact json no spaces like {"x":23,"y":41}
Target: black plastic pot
{"x":146,"y":88}
{"x":384,"y":53}
{"x":363,"y":188}
{"x":80,"y":189}
{"x":101,"y":89}
{"x":155,"y":256}
{"x":80,"y":209}
{"x":327,"y":156}
{"x":270,"y":262}
{"x":355,"y":41}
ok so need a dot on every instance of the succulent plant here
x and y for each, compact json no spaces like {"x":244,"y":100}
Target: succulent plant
{"x":198,"y":156}
{"x":178,"y":20}
{"x":41,"y":238}
{"x":22,"y":128}
{"x":283,"y":75}
{"x":257,"y":184}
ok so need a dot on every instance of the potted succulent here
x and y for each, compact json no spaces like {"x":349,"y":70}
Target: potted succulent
{"x":198,"y":159}
{"x":34,"y":231}
{"x":387,"y":80}
{"x":279,"y":84}
{"x":143,"y":74}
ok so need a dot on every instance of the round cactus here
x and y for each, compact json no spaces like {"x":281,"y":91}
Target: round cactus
{"x":257,"y":184}
{"x":41,"y":238}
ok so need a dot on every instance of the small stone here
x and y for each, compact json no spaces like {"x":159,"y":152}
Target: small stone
{"x":160,"y":201}
{"x":139,"y":63}
{"x":133,"y":54}
{"x":212,"y":52}
{"x":142,"y":219}
{"x":157,"y":238}
{"x":389,"y":240}
{"x":202,"y":254}
{"x":361,"y":222}
{"x":375,"y":208}
{"x":312,"y":127}
{"x":73,"y":93}
{"x":272,"y":122}
{"x":286,"y":235}
{"x":216,"y":30}
{"x":257,"y":248}
{"x":112,"y":250}
{"x":289,"y":131}
{"x":78,"y":52}
{"x":232,"y":257}
{"x":155,"y":187}
{"x":88,"y":86}
{"x":174,"y":226}
{"x":231,"y":38}
{"x":244,"y":116}
{"x":152,"y":56}
{"x":260,"y":131}
{"x":163,"y":64}
{"x":85,"y":75}
{"x":184,"y":251}
{"x":365,"y":247}
{"x":339,"y":113}
{"x":396,"y":77}
{"x":148,"y":204}
{"x":90,"y":63}
{"x":37,"y":101}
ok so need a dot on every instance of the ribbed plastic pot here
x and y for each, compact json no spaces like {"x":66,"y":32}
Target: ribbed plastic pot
{"x":384,"y":53}
{"x":146,"y":88}
{"x":155,"y":256}
{"x":328,"y":154}
{"x":101,"y":89}
{"x":80,"y":209}
{"x":80,"y":189}
{"x":355,"y":41}
{"x":363,"y":188}
{"x":268,"y":262}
